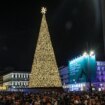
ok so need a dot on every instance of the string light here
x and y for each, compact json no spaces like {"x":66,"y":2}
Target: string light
{"x":44,"y":68}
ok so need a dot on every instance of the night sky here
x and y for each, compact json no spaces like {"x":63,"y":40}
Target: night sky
{"x":73,"y":25}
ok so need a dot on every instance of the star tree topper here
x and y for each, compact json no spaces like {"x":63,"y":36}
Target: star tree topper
{"x":43,"y":10}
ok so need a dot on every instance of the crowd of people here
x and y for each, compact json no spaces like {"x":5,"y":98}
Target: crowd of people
{"x":52,"y":98}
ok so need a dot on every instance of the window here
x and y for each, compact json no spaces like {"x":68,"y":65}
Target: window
{"x":24,"y":75}
{"x":15,"y":75}
{"x":13,"y":84}
{"x":27,"y":75}
{"x":98,"y":68}
{"x":16,"y":83}
{"x":19,"y":75}
{"x":19,"y":83}
{"x":24,"y":83}
{"x":102,"y":68}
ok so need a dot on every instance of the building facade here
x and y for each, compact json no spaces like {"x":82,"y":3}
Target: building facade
{"x":16,"y":80}
{"x":64,"y":74}
{"x":100,"y":78}
{"x":101,"y":74}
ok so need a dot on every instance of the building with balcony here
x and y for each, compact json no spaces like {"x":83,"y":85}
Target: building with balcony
{"x":16,"y":79}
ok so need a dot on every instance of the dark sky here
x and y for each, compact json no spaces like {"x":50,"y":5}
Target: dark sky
{"x":72,"y":24}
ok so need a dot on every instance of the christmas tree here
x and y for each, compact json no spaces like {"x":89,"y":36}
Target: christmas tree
{"x":44,"y":71}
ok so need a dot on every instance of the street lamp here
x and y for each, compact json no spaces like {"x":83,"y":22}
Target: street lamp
{"x":91,"y":53}
{"x":85,"y":54}
{"x":88,"y":56}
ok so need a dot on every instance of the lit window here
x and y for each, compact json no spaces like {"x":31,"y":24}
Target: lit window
{"x":24,"y":83}
{"x":12,"y":75}
{"x":98,"y":68}
{"x":102,"y":68}
{"x":12,"y":83}
{"x":18,"y":83}
{"x":98,"y":63}
{"x":15,"y":83}
{"x":15,"y":75}
{"x":24,"y":75}
{"x":27,"y":75}
{"x":19,"y":75}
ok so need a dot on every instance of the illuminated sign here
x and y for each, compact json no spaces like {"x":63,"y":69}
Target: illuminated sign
{"x":3,"y":88}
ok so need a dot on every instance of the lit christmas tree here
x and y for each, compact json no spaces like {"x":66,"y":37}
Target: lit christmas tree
{"x":44,"y":68}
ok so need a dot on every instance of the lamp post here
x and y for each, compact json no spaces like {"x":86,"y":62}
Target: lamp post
{"x":89,"y":72}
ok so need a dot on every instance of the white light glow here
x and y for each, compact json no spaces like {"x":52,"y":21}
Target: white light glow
{"x":91,"y":53}
{"x":85,"y":54}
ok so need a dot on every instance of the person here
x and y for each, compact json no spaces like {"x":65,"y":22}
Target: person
{"x":27,"y":103}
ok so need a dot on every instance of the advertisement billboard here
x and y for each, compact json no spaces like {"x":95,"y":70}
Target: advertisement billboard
{"x":82,"y":69}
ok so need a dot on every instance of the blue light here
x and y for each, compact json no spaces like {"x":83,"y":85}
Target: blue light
{"x":80,"y":65}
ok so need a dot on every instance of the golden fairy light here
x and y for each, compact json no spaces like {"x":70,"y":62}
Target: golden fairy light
{"x":44,"y":71}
